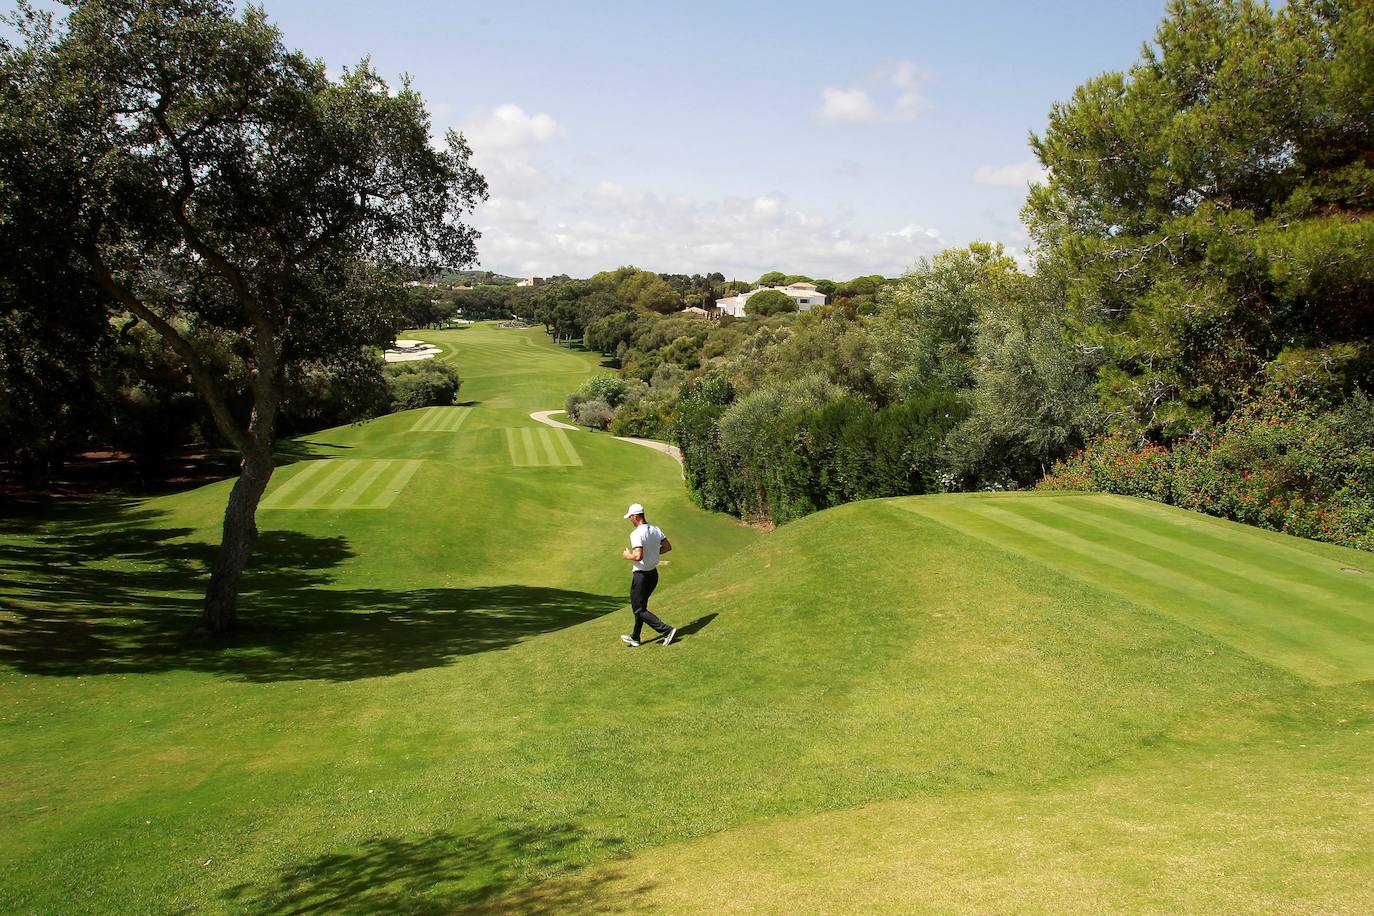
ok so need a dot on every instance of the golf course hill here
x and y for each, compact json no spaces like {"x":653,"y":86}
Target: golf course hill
{"x":1013,"y":702}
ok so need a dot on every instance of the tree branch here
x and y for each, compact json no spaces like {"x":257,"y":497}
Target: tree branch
{"x":179,"y":200}
{"x":204,"y":379}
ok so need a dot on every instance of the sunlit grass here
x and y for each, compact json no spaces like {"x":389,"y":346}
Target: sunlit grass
{"x":892,"y":705}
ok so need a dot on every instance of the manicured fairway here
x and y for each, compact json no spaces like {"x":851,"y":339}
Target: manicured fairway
{"x":1013,"y":703}
{"x":540,"y":448}
{"x":1295,"y":603}
{"x":341,"y":484}
{"x":440,"y":419}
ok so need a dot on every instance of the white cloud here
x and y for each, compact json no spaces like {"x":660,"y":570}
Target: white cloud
{"x":505,"y":144}
{"x":848,"y":105}
{"x":1016,"y":175}
{"x":508,"y":127}
{"x":899,"y":86}
{"x":512,"y":176}
{"x":907,"y":79}
{"x":608,"y":225}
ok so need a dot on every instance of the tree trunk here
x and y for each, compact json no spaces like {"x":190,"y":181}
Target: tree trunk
{"x":240,"y":533}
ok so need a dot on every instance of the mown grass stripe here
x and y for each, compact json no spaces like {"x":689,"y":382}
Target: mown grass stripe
{"x":1280,"y":603}
{"x":377,"y":489}
{"x":457,"y":417}
{"x":319,"y":488}
{"x":510,"y":446}
{"x":1320,"y":587}
{"x":293,"y":483}
{"x":1295,"y":642}
{"x":1291,"y":562}
{"x":425,"y":421}
{"x":564,"y":442}
{"x":527,"y":448}
{"x":349,"y":497}
{"x":393,"y":482}
{"x":1156,"y":589}
{"x":550,"y":450}
{"x":1103,"y":567}
{"x":441,"y":420}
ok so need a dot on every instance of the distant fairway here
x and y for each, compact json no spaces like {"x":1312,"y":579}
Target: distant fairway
{"x":1012,"y":702}
{"x":440,"y":419}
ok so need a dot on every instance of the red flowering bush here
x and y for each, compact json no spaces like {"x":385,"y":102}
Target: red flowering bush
{"x":1278,"y":464}
{"x":1115,"y":464}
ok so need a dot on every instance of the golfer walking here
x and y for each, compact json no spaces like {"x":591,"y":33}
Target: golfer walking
{"x":647,"y":542}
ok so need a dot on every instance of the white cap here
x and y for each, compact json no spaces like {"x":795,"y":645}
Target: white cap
{"x":635,"y":509}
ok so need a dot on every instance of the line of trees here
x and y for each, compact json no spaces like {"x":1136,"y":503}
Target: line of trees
{"x":1202,"y":300}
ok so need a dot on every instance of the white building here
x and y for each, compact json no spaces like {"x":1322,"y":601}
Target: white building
{"x":804,"y":294}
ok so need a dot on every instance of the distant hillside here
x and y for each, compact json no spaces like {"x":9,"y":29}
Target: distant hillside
{"x":474,"y":277}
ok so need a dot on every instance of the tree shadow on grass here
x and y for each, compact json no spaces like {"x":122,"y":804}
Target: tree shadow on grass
{"x":446,"y":873}
{"x":304,"y":449}
{"x":112,"y":593}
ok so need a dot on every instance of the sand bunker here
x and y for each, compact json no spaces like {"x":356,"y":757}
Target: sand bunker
{"x":406,"y":350}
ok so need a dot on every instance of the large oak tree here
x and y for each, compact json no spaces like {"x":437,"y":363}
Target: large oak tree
{"x":227,"y":192}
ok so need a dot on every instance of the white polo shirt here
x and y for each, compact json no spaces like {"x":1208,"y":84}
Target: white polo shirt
{"x":649,"y":537}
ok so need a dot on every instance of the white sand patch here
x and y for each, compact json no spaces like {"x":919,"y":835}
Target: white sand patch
{"x":407,"y":350}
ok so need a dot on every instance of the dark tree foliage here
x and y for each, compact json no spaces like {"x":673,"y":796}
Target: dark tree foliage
{"x":804,"y":457}
{"x":845,"y":451}
{"x":427,"y":383}
{"x":151,"y":407}
{"x":223,"y":190}
{"x":54,"y":335}
{"x":769,"y":302}
{"x":482,"y":303}
{"x":1210,"y":209}
{"x":695,"y":415}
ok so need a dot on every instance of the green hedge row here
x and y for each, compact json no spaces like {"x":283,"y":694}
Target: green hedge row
{"x":803,"y":458}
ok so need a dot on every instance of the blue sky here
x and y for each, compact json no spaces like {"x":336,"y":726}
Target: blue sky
{"x":831,"y":139}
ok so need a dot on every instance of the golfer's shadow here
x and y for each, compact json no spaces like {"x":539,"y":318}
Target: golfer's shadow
{"x":689,"y":629}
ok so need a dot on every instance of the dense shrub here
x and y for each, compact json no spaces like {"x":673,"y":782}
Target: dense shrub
{"x":426,"y":383}
{"x":1285,"y":465}
{"x":595,"y":414}
{"x":1115,"y":464}
{"x":843,"y":450}
{"x":769,"y":302}
{"x":696,"y":413}
{"x":343,"y":391}
{"x":606,"y":388}
{"x":609,"y":391}
{"x":642,"y":420}
{"x":796,"y":447}
{"x":741,"y":427}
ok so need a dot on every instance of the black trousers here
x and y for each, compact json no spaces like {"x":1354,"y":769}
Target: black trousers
{"x":641,"y":587}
